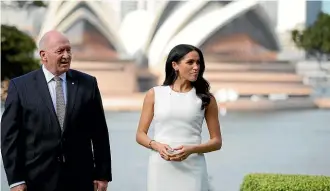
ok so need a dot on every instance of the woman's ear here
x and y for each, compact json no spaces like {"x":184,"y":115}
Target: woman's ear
{"x":175,"y":66}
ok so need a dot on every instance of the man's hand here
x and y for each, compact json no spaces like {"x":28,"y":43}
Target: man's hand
{"x":21,"y":187}
{"x":100,"y":185}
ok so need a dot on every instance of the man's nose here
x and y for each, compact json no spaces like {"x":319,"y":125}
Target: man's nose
{"x":66,"y":54}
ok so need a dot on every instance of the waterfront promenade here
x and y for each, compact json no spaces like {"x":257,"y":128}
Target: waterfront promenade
{"x":134,"y":102}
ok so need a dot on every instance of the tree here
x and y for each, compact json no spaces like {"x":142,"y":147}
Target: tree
{"x":17,"y":53}
{"x":315,"y":39}
{"x":22,"y":4}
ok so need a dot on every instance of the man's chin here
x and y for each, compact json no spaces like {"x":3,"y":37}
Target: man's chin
{"x":64,"y":68}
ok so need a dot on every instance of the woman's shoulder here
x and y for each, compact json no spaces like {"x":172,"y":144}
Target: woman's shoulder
{"x":156,"y":90}
{"x":160,"y":88}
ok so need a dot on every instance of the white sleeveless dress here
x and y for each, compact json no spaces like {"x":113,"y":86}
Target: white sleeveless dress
{"x":177,"y":121}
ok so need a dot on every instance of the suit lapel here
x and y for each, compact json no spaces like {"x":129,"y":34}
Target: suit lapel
{"x":42,"y":87}
{"x":72,"y":86}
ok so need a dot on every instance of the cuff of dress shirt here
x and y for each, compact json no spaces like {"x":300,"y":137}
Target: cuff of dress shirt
{"x":16,"y":184}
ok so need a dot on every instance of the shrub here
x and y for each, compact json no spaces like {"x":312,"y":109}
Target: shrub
{"x":285,"y":182}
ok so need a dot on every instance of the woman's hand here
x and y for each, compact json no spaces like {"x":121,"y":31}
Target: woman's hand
{"x":162,"y":149}
{"x":181,"y":153}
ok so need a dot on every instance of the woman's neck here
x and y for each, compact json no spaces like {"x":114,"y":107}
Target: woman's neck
{"x":181,"y":86}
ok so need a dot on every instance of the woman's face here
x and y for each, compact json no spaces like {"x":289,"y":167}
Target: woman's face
{"x":188,"y":67}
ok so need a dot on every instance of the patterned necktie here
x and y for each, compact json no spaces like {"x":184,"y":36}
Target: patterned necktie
{"x":60,"y":102}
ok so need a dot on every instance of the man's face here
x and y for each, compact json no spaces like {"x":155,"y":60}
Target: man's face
{"x":57,"y":55}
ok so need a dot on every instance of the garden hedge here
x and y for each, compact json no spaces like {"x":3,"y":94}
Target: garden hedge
{"x":285,"y":182}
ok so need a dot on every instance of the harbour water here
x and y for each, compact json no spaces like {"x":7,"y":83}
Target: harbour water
{"x":271,"y":142}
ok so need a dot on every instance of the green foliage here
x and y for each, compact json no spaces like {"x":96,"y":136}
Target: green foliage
{"x":38,"y":4}
{"x":315,"y":39}
{"x":285,"y":182}
{"x":23,"y":4}
{"x":17,"y":53}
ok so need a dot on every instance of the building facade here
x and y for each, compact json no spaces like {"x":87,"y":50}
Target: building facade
{"x":145,"y":30}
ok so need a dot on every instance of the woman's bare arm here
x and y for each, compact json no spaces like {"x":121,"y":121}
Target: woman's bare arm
{"x":213,"y":125}
{"x":146,"y":117}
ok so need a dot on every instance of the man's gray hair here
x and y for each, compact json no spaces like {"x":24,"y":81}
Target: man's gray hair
{"x":42,"y":45}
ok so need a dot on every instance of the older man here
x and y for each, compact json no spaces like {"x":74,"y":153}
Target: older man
{"x":54,"y":135}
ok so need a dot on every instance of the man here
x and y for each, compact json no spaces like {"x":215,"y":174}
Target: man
{"x":54,"y":135}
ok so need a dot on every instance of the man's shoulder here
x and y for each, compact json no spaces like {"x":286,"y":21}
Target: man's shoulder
{"x":25,"y":78}
{"x":81,"y":75}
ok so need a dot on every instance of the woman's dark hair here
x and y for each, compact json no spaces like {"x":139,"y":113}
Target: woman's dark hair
{"x":201,"y":85}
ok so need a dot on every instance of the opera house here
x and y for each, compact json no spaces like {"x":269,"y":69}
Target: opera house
{"x":125,"y":44}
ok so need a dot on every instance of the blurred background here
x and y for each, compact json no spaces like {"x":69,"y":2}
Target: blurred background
{"x":268,"y":64}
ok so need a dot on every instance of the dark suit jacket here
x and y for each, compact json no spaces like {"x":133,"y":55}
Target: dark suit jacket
{"x":33,"y":147}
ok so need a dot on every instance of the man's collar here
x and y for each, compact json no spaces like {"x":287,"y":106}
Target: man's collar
{"x":49,"y":76}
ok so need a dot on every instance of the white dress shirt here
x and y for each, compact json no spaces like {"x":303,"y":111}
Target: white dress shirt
{"x":52,"y":84}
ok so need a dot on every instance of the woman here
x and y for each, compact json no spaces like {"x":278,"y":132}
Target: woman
{"x":178,"y":109}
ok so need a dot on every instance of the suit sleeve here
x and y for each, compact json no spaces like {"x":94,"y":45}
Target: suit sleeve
{"x":11,"y":122}
{"x":100,"y":138}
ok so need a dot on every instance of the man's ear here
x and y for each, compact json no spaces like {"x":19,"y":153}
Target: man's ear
{"x":43,"y":55}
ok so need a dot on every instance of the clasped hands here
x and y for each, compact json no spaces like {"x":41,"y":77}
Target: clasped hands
{"x":173,"y":154}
